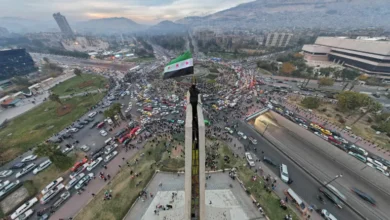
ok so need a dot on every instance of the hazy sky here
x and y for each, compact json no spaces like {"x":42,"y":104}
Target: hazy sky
{"x":143,"y":11}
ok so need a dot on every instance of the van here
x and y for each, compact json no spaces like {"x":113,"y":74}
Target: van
{"x":108,"y":140}
{"x":296,"y":200}
{"x":284,"y":173}
{"x":101,"y":124}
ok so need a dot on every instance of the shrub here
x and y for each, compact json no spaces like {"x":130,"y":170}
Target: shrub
{"x":329,"y":115}
{"x":337,"y":109}
{"x":369,"y":120}
{"x":323,"y":110}
{"x":311,"y":102}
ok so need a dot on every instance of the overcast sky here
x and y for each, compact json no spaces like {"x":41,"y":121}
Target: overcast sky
{"x":143,"y":11}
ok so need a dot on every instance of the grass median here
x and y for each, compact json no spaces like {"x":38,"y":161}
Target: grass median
{"x":78,"y":84}
{"x":40,"y":123}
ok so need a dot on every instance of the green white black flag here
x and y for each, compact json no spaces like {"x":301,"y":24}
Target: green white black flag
{"x":181,"y":66}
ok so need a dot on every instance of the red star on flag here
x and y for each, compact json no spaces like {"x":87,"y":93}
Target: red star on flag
{"x":187,"y":63}
{"x":169,"y":67}
{"x":177,"y":65}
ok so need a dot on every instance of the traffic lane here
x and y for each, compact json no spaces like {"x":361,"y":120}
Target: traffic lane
{"x":306,"y":187}
{"x":326,"y":168}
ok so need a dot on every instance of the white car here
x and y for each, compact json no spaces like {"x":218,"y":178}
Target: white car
{"x":103,"y":133}
{"x":110,"y":156}
{"x":5,"y":173}
{"x":66,"y":150}
{"x":82,"y":182}
{"x":382,"y":171}
{"x":327,"y":215}
{"x":51,"y":193}
{"x":52,"y":185}
{"x":303,"y":125}
{"x":2,"y":185}
{"x":94,"y":163}
{"x":29,"y":158}
{"x":73,"y":181}
{"x":85,"y":148}
{"x":73,"y":130}
{"x":180,"y":122}
{"x":229,"y":130}
{"x":249,"y":158}
{"x":25,"y":170}
{"x":42,"y":166}
{"x":109,"y":121}
{"x":25,"y":215}
{"x":8,"y":188}
{"x":110,"y":148}
{"x":92,"y":114}
{"x":242,"y":135}
{"x":23,"y":208}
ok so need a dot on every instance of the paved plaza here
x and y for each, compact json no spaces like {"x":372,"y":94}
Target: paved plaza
{"x":226,"y":202}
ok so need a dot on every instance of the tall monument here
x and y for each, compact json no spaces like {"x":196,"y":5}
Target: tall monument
{"x":195,"y":158}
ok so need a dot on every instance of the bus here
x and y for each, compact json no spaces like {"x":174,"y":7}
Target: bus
{"x":299,"y":204}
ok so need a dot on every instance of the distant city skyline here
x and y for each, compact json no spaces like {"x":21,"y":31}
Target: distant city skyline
{"x":142,"y":11}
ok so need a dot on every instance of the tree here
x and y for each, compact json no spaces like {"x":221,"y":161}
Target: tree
{"x":21,"y":81}
{"x":78,"y":72}
{"x":59,"y":159}
{"x":311,"y":102}
{"x":116,"y":107}
{"x":325,"y":82}
{"x":309,"y":72}
{"x":337,"y":73}
{"x":55,"y":98}
{"x":110,"y":113}
{"x":287,"y":68}
{"x":371,"y":106}
{"x":349,"y":101}
{"x":326,"y":71}
{"x":349,"y":74}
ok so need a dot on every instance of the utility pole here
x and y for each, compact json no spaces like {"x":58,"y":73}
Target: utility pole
{"x":335,"y":178}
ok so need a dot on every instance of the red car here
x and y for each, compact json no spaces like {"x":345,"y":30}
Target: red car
{"x":78,"y":164}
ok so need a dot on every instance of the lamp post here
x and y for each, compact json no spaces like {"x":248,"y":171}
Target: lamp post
{"x":335,"y":178}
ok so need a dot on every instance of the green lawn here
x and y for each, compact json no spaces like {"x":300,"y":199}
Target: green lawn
{"x":38,"y":124}
{"x":74,"y":85}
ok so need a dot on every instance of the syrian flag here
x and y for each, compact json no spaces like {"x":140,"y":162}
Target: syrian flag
{"x":181,"y":66}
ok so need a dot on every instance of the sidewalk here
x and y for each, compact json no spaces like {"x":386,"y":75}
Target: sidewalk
{"x":281,"y":186}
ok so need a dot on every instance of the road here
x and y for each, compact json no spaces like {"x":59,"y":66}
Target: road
{"x":326,"y":161}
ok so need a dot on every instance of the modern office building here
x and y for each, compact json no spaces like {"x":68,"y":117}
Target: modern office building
{"x":63,"y":24}
{"x":368,"y":56}
{"x":277,"y":39}
{"x":15,"y":62}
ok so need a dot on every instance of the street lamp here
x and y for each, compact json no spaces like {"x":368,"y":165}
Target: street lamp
{"x":335,"y":178}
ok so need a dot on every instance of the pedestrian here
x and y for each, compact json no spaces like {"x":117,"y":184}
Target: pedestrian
{"x":210,"y":202}
{"x":119,"y":166}
{"x":93,"y":194}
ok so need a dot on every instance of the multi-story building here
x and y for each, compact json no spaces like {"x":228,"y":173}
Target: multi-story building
{"x":277,"y":39}
{"x":15,"y":62}
{"x":63,"y":24}
{"x":368,"y":56}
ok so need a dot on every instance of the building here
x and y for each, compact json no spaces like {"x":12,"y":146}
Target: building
{"x":15,"y":62}
{"x":368,"y":56}
{"x":277,"y":39}
{"x":63,"y":24}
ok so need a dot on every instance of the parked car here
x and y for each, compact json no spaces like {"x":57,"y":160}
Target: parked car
{"x":269,"y":161}
{"x":5,"y":173}
{"x":18,"y":165}
{"x":229,"y":130}
{"x":242,"y":135}
{"x":78,"y":126}
{"x":51,"y":193}
{"x":29,"y":158}
{"x":85,"y":148}
{"x":327,"y":215}
{"x":25,"y":170}
{"x":52,"y":185}
{"x":24,"y":208}
{"x":67,"y":150}
{"x":110,"y":156}
{"x":94,"y":163}
{"x":94,"y":125}
{"x":103,"y":133}
{"x":110,"y":148}
{"x":83,"y":181}
{"x":73,"y":181}
{"x":92,"y":114}
{"x":73,"y":130}
{"x":45,"y":164}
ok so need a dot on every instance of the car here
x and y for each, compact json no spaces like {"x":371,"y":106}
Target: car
{"x":73,"y":130}
{"x":103,"y":133}
{"x":51,"y":193}
{"x":120,"y":132}
{"x":180,"y":122}
{"x":269,"y":161}
{"x":25,"y":170}
{"x":364,"y":196}
{"x":109,"y":121}
{"x":110,"y":148}
{"x":78,"y":126}
{"x":67,"y":150}
{"x":83,"y":122}
{"x":242,"y":135}
{"x":8,"y":188}
{"x":52,"y":185}
{"x":94,"y":124}
{"x":381,"y":170}
{"x":85,"y":148}
{"x":254,"y":141}
{"x":94,"y":163}
{"x":73,"y":181}
{"x":358,"y":156}
{"x":82,"y":182}
{"x":110,"y":156}
{"x":4,"y":184}
{"x":303,"y":125}
{"x":331,"y":197}
{"x":327,"y":215}
{"x":18,"y":165}
{"x":78,"y":171}
{"x":229,"y":130}
{"x":25,"y":215}
{"x":326,"y":132}
{"x":249,"y":159}
{"x":63,"y":197}
{"x":29,"y":158}
{"x":92,"y":114}
{"x":89,"y":120}
{"x":23,"y":208}
{"x":5,"y":173}
{"x":66,"y":135}
{"x":45,"y":164}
